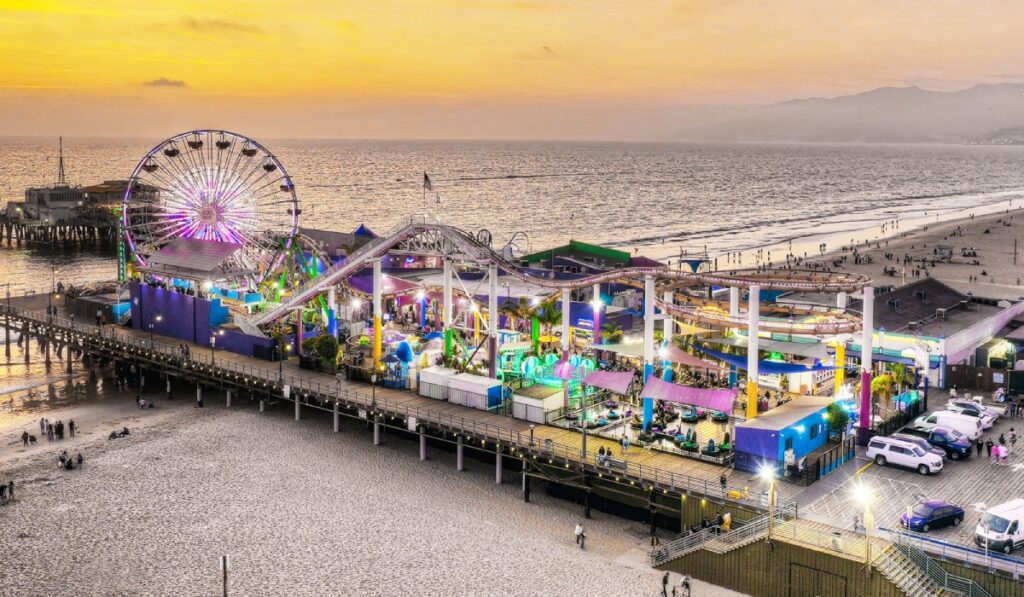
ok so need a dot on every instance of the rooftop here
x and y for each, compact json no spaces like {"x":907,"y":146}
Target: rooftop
{"x":928,"y":307}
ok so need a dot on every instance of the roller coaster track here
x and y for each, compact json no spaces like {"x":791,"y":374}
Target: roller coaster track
{"x":467,"y":245}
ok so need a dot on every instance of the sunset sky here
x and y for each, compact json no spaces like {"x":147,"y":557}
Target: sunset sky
{"x":472,"y":68}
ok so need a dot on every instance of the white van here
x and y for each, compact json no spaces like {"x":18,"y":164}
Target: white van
{"x":969,"y":426}
{"x":1002,"y":527}
{"x":893,"y":450}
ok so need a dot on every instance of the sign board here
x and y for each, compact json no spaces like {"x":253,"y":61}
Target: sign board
{"x":410,"y":424}
{"x":286,"y":391}
{"x":362,"y":413}
{"x":998,"y":377}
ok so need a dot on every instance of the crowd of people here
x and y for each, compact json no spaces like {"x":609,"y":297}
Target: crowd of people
{"x":53,"y":431}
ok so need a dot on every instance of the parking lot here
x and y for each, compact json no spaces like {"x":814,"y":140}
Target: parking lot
{"x":973,"y":484}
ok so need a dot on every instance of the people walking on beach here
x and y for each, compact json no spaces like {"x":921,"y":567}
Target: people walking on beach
{"x":59,"y":429}
{"x":10,"y":489}
{"x":71,"y":427}
{"x":62,"y":457}
{"x":24,"y":438}
{"x":3,"y":492}
{"x":42,"y":426}
{"x":49,"y":432}
{"x":142,"y":404}
{"x":664,"y":585}
{"x":581,"y":537}
{"x":79,"y":459}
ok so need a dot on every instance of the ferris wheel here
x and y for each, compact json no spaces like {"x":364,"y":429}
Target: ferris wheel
{"x":216,"y":186}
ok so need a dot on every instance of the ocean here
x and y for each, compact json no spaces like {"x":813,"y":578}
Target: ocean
{"x":655,"y":199}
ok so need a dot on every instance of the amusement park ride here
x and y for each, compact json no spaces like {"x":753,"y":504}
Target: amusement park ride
{"x":217,"y":212}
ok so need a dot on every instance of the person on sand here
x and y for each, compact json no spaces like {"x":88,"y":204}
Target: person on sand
{"x":24,"y":438}
{"x":113,"y":435}
{"x":78,"y":459}
{"x":124,"y":432}
{"x":579,"y":534}
{"x":664,"y":585}
{"x":10,"y":489}
{"x":71,"y":427}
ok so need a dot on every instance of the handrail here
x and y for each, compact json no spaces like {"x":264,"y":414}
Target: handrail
{"x":742,"y":532}
{"x":925,"y":547}
{"x":200,"y":362}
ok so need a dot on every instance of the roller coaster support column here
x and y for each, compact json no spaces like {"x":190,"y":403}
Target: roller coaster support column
{"x":865,"y":361}
{"x":566,"y":305}
{"x":734,"y":302}
{"x":447,"y":306}
{"x":492,"y":321}
{"x":754,"y":317}
{"x":669,"y":329}
{"x":332,"y":311}
{"x":842,"y":299}
{"x":597,"y":313}
{"x":378,"y":330}
{"x":649,"y":295}
{"x":841,"y":363}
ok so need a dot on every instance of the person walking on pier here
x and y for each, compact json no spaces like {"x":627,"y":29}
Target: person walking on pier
{"x":979,"y":444}
{"x":625,"y":444}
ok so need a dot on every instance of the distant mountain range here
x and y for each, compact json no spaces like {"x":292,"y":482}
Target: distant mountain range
{"x":981,"y":114}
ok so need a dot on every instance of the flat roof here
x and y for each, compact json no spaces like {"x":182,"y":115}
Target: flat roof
{"x":185,"y":257}
{"x":789,"y":413}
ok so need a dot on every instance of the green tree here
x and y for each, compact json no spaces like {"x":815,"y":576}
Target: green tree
{"x":611,"y":333}
{"x":838,"y":418}
{"x":549,"y":316}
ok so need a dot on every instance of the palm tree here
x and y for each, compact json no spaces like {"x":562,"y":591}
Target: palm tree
{"x":549,"y":316}
{"x":901,"y":375}
{"x":611,"y":333}
{"x":517,"y":312}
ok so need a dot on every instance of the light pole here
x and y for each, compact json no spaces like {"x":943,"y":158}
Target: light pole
{"x":373,"y":390}
{"x":531,"y":433}
{"x":213,"y":347}
{"x":280,"y":360}
{"x":156,"y":318}
{"x":767,"y":473}
{"x":862,"y":493}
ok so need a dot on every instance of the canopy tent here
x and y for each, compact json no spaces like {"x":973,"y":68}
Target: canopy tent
{"x":614,"y":381}
{"x":720,"y":399}
{"x":765,"y":367}
{"x":364,"y":230}
{"x":672,"y":353}
{"x":814,"y":350}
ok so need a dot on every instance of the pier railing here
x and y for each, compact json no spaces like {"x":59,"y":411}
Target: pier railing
{"x":222,"y":367}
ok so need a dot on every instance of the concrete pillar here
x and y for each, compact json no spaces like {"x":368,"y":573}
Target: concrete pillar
{"x":526,"y":485}
{"x":566,"y":328}
{"x":298,"y":406}
{"x":458,"y":455}
{"x":337,"y":419}
{"x":227,"y":399}
{"x":199,"y":395}
{"x":840,"y":362}
{"x":70,"y":359}
{"x":423,"y":445}
{"x":300,"y":330}
{"x":332,"y":310}
{"x":447,"y":315}
{"x":842,"y":299}
{"x":753,"y":318}
{"x":492,"y":320}
{"x":669,"y":329}
{"x":170,"y":396}
{"x":376,"y":430}
{"x":378,"y":330}
{"x":648,"y":325}
{"x":597,"y":305}
{"x":263,"y":405}
{"x":734,"y":301}
{"x":497,"y":467}
{"x":865,"y":358}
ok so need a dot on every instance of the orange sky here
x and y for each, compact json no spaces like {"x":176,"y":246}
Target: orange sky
{"x":471,"y":68}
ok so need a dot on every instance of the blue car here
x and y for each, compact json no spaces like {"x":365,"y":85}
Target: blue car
{"x":932,"y":514}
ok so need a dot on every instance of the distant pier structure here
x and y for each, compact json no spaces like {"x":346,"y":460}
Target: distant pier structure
{"x":62,"y":214}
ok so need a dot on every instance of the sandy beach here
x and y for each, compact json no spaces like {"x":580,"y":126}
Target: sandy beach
{"x":300,"y":510}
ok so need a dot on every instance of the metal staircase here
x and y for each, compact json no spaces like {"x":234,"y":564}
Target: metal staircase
{"x":950,"y":584}
{"x":906,"y":574}
{"x":715,"y":540}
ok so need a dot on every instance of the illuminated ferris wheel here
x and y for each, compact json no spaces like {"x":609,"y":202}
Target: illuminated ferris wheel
{"x":223,"y":193}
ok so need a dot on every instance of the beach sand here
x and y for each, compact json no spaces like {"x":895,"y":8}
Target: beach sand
{"x":300,"y":510}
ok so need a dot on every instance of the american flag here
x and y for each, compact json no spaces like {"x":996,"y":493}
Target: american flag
{"x":427,"y":186}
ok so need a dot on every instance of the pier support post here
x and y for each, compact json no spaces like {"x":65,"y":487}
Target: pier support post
{"x":376,"y":430}
{"x":526,"y":484}
{"x":263,"y":405}
{"x":423,"y":445}
{"x":337,"y":419}
{"x":378,"y":315}
{"x":865,"y":361}
{"x":70,"y":361}
{"x":46,"y":347}
{"x":459,"y":455}
{"x":492,"y":321}
{"x":586,"y":497}
{"x":170,"y":396}
{"x":649,"y":296}
{"x":199,"y":396}
{"x":227,"y":399}
{"x":842,"y":299}
{"x":753,"y":319}
{"x":298,"y":407}
{"x":734,"y":301}
{"x":497,"y":466}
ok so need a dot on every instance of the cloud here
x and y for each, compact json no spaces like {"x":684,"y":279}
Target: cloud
{"x":222,"y":25}
{"x":165,"y":82}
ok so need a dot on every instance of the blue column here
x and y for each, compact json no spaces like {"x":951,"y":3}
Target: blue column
{"x":648,"y":412}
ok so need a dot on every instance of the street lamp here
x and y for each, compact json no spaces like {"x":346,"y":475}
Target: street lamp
{"x":156,"y":318}
{"x":531,"y":433}
{"x":213,"y":346}
{"x":767,"y":473}
{"x":373,"y":390}
{"x":280,"y":360}
{"x":881,"y":342}
{"x":862,"y":493}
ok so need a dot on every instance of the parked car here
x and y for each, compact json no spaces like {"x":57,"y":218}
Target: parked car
{"x":972,"y":409}
{"x":955,"y":444}
{"x":967,"y":425}
{"x":1002,"y":526}
{"x":932,"y":514}
{"x":889,"y":450}
{"x":920,"y":441}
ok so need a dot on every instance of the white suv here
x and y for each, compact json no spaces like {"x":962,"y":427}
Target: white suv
{"x":891,"y":450}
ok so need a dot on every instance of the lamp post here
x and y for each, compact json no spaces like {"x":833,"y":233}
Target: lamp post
{"x":373,"y":390}
{"x":280,"y":360}
{"x":213,"y":347}
{"x":767,"y":473}
{"x":881,"y":342}
{"x":531,"y":433}
{"x":862,"y":493}
{"x":156,"y":318}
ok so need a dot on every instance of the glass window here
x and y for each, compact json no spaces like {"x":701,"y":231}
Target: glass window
{"x":918,"y":452}
{"x":897,"y":449}
{"x":931,"y":419}
{"x":995,"y":523}
{"x":923,"y":510}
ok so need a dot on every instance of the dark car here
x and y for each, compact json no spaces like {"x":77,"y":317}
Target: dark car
{"x":932,"y":514}
{"x":956,"y":448}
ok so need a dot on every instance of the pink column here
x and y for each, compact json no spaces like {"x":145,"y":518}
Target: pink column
{"x":865,"y":359}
